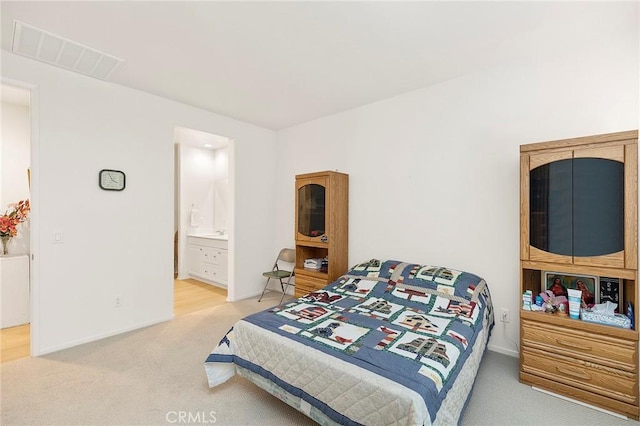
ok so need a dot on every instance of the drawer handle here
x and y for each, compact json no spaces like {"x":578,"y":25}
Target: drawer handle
{"x":574,"y":345}
{"x":577,"y":374}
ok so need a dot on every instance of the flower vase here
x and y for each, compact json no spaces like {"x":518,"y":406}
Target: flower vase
{"x":5,"y":244}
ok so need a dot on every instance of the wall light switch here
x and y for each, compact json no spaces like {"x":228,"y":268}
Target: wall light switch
{"x":57,"y":237}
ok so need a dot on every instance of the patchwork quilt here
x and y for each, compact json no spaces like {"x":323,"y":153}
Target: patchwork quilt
{"x":382,"y":344}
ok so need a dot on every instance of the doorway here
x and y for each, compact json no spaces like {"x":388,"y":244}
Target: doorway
{"x":202,"y":213}
{"x":15,"y":182}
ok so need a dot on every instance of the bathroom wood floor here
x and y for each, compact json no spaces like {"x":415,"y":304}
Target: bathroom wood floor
{"x":189,"y":296}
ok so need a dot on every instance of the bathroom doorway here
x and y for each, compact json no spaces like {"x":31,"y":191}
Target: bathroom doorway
{"x":202,"y":213}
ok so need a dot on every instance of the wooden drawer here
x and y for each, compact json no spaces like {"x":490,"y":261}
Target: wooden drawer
{"x":306,"y":284}
{"x":580,"y":374}
{"x":577,"y":344}
{"x":626,"y":409}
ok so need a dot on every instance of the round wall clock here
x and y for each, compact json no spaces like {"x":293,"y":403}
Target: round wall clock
{"x":111,"y":180}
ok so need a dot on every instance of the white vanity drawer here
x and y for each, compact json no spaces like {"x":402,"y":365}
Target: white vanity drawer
{"x":208,"y":259}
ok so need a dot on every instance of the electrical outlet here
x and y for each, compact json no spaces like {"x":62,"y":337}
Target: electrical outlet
{"x":117,"y":302}
{"x":505,"y":315}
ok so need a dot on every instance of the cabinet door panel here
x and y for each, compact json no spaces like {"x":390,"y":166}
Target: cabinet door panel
{"x":195,"y":260}
{"x":598,"y":207}
{"x":576,"y":206}
{"x":311,"y":214}
{"x":312,"y":223}
{"x":551,"y":207}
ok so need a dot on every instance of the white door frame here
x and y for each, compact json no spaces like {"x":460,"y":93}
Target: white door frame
{"x":34,"y":220}
{"x":182,"y":232}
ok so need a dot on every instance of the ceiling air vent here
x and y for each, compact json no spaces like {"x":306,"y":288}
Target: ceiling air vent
{"x":55,"y":50}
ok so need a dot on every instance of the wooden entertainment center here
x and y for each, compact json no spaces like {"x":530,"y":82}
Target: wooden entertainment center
{"x":322,"y":228}
{"x":579,"y":217}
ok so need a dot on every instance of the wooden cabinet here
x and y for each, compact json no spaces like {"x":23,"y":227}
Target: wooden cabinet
{"x":207,"y":259}
{"x":14,"y":275}
{"x":321,"y":228}
{"x":578,"y":217}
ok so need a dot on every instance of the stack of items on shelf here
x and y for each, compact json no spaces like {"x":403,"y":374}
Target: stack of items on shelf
{"x":603,"y":313}
{"x":317,"y":264}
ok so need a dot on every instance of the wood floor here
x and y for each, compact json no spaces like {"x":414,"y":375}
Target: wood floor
{"x":192,"y":295}
{"x":188,"y":296}
{"x":15,"y":342}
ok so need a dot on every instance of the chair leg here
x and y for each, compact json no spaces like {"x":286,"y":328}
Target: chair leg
{"x":264,"y":289}
{"x":284,"y":290}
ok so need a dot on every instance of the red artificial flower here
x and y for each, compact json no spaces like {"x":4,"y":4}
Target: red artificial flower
{"x":17,"y":213}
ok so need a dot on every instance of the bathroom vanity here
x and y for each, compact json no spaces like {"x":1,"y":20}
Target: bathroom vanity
{"x":207,"y":258}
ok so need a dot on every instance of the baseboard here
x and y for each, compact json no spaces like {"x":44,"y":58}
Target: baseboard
{"x":584,"y":404}
{"x":101,"y":336}
{"x":290,"y":290}
{"x":504,"y":351}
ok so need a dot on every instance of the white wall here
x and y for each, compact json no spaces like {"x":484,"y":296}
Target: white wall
{"x":434,"y":174}
{"x":121,"y":243}
{"x":196,"y":187}
{"x":221,"y":190}
{"x":15,"y":160}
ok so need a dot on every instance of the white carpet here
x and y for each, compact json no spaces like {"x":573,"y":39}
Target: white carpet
{"x":155,"y":376}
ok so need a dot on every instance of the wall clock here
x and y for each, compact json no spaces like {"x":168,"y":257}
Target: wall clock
{"x":111,"y":180}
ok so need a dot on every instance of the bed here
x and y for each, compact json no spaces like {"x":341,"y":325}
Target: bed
{"x":389,"y":342}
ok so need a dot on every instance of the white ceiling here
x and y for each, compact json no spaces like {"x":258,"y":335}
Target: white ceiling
{"x":277,"y":64}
